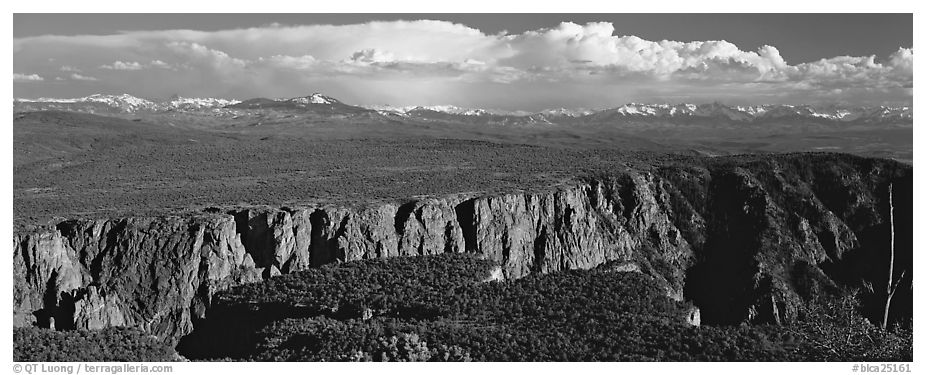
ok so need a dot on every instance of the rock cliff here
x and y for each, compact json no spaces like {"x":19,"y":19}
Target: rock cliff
{"x":747,"y":239}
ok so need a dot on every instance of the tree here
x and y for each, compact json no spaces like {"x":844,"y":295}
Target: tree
{"x":892,"y":284}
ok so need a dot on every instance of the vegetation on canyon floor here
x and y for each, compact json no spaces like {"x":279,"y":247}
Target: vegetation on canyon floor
{"x":447,"y":308}
{"x":114,"y":344}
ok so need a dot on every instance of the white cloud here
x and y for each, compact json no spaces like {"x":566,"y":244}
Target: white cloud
{"x":134,"y":65}
{"x":901,"y":65}
{"x":281,"y":60}
{"x":195,"y":54}
{"x":371,"y":55}
{"x":79,"y":77}
{"x":19,"y":77}
{"x":159,"y":64}
{"x":68,"y":68}
{"x":290,"y":62}
{"x":119,"y":65}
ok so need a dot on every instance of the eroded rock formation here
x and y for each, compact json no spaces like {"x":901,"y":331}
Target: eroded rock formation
{"x":744,"y":239}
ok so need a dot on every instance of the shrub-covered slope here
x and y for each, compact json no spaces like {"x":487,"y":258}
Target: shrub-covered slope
{"x":414,"y":309}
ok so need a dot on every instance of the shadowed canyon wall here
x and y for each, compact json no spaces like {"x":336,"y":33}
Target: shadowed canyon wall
{"x":747,"y":239}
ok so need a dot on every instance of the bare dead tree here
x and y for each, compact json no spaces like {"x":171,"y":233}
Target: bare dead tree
{"x":892,"y":284}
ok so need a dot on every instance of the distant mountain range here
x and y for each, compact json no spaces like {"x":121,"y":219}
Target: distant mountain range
{"x":321,"y":104}
{"x":121,"y":103}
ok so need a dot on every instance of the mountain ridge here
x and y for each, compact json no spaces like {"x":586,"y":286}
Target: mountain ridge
{"x":641,"y":111}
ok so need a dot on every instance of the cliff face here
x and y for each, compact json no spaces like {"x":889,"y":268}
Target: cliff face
{"x":155,"y":274}
{"x":745,"y":240}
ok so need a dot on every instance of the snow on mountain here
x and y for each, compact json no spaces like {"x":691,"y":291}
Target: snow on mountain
{"x":686,"y":110}
{"x":315,"y":98}
{"x":763,"y":112}
{"x":123,"y":102}
{"x":126,"y":102}
{"x":753,"y":110}
{"x":882,"y":112}
{"x":567,"y":112}
{"x":129,"y":103}
{"x":448,"y":109}
{"x":454,"y":110}
{"x":389,"y":109}
{"x":638,"y":109}
{"x":181,"y":103}
{"x":46,"y":100}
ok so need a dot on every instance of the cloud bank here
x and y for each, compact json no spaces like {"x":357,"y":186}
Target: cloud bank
{"x":437,"y":62}
{"x":18,"y":77}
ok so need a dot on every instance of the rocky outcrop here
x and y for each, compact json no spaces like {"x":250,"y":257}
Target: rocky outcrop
{"x":153,"y":273}
{"x":744,"y":240}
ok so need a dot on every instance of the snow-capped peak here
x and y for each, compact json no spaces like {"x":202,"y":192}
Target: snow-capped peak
{"x":123,"y":102}
{"x":129,"y":103}
{"x":567,"y":112}
{"x":752,"y":113}
{"x":872,"y":114}
{"x":449,"y":109}
{"x":315,"y":98}
{"x":181,"y":103}
{"x":386,"y":109}
{"x":682,"y":110}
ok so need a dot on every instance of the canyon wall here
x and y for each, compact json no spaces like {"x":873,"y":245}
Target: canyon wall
{"x":748,"y":239}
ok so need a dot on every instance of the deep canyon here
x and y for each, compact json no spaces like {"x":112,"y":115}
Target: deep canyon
{"x":744,"y":238}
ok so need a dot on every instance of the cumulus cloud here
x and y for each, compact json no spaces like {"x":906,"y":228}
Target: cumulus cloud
{"x":371,"y":55}
{"x":576,"y":49}
{"x":159,"y":64}
{"x":901,"y":65}
{"x":19,"y":77}
{"x":134,"y":65}
{"x":372,"y":60}
{"x":80,"y":77}
{"x":68,"y":68}
{"x":119,"y":65}
{"x":198,"y":55}
{"x":305,"y":62}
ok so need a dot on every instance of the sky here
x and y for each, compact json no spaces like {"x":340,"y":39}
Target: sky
{"x":499,"y":61}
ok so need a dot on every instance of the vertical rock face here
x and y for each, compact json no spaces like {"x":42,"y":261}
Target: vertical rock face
{"x":577,"y":227}
{"x":744,"y":242}
{"x":153,"y":273}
